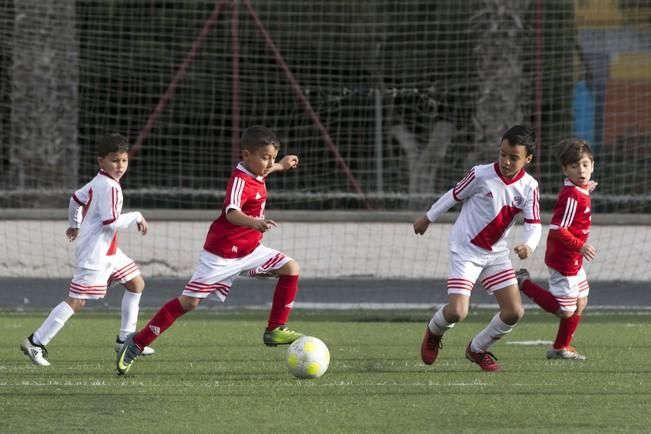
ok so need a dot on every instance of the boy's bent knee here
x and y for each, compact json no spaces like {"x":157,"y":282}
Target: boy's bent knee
{"x":137,"y":284}
{"x":454,"y":314}
{"x":76,"y":304}
{"x":513,"y":315}
{"x":289,"y":269}
{"x":189,"y":303}
{"x":564,"y":314}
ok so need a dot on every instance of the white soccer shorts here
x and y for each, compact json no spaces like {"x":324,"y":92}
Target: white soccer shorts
{"x":568,"y":289}
{"x":214,"y":275}
{"x":90,"y":284}
{"x":494,"y":271}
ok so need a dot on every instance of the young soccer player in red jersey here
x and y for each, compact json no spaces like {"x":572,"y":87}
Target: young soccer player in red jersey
{"x":232,"y":246}
{"x":492,"y":195}
{"x":94,"y":217}
{"x":566,"y":247}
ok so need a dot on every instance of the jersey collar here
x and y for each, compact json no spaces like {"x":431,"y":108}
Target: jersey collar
{"x":581,"y":188}
{"x":101,"y":172}
{"x":505,"y":180}
{"x":241,"y":168}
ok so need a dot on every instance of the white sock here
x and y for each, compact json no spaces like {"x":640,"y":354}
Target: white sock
{"x":53,"y":323}
{"x":438,"y":325}
{"x":493,"y":332}
{"x":130,"y":309}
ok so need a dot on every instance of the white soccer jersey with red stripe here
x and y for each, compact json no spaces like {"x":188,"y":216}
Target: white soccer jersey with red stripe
{"x":490,"y":204}
{"x":247,"y":193}
{"x":101,"y":204}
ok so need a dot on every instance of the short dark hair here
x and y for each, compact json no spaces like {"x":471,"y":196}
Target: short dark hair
{"x":571,"y":150}
{"x":522,"y":135}
{"x":112,"y":142}
{"x":256,"y":136}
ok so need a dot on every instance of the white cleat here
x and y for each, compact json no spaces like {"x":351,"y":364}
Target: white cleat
{"x":568,"y":353}
{"x":147,"y":351}
{"x":36,"y":353}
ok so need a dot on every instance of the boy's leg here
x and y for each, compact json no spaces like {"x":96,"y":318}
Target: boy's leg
{"x":34,"y":345}
{"x":130,"y":306}
{"x":163,"y":319}
{"x":130,"y":309}
{"x":499,"y":279}
{"x":283,"y":301}
{"x":85,"y":284}
{"x":56,"y":320}
{"x":135,"y":343}
{"x":439,"y":324}
{"x":572,"y":293}
{"x":566,"y":329}
{"x":126,"y":272}
{"x":540,"y":296}
{"x":463,"y":272}
{"x":281,"y":307}
{"x":503,"y":322}
{"x":268,"y":261}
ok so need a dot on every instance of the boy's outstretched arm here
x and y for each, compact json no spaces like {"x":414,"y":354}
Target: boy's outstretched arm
{"x":288,"y":162}
{"x":443,"y":204}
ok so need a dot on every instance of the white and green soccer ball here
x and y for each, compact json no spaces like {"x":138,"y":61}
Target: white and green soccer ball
{"x":308,"y":357}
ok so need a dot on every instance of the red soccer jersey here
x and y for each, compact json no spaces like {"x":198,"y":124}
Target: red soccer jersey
{"x":572,"y":213}
{"x":245,"y":192}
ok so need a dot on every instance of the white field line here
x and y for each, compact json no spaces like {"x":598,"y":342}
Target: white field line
{"x":638,"y":310}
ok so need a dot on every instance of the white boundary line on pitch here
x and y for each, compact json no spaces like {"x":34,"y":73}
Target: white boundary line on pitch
{"x":421,"y":306}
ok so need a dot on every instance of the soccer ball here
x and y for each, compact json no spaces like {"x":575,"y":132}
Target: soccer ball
{"x":308,"y":357}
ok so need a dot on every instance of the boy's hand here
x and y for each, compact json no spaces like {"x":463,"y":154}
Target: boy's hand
{"x":523,"y":251}
{"x":72,"y":233}
{"x":588,"y":251}
{"x":142,"y":226}
{"x":421,"y":225}
{"x":263,"y":225}
{"x":289,"y":162}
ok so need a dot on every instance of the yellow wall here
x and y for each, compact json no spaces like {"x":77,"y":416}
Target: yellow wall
{"x":630,"y":66}
{"x":597,"y":13}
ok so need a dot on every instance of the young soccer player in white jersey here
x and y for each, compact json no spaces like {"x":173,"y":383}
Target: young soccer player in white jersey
{"x":94,"y":217}
{"x":233,"y":246}
{"x":566,"y":247}
{"x":492,"y":195}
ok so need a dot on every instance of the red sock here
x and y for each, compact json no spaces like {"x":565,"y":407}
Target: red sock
{"x":540,"y":296}
{"x":163,"y":319}
{"x":566,"y":329}
{"x":283,"y":301}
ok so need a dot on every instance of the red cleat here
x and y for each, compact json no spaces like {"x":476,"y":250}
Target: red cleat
{"x":429,"y":349}
{"x":486,"y":360}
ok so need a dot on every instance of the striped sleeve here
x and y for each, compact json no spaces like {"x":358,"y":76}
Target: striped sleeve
{"x":78,"y":204}
{"x":466,"y":187}
{"x":532,"y":208}
{"x":568,"y":214}
{"x":235,"y":196}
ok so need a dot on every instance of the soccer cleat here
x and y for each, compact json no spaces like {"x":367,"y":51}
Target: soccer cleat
{"x":36,"y":353}
{"x":521,"y":275}
{"x":568,"y":353}
{"x":429,"y":348}
{"x":147,"y":351}
{"x":127,"y":355}
{"x":279,"y":336}
{"x":485,"y":359}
